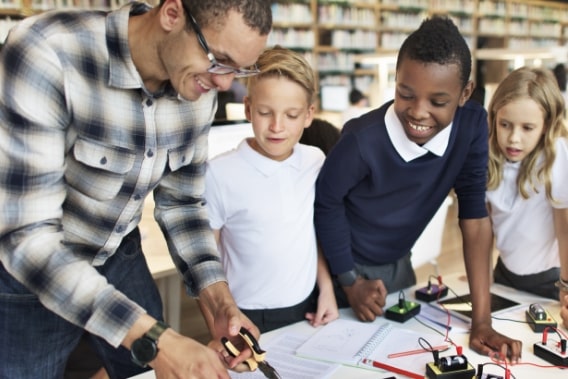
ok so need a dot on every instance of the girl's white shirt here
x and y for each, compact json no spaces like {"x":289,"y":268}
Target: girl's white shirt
{"x":524,"y":228}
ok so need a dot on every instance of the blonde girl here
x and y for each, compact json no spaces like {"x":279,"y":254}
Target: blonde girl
{"x":527,"y":185}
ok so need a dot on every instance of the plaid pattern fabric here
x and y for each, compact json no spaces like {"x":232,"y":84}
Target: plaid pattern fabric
{"x":82,"y":143}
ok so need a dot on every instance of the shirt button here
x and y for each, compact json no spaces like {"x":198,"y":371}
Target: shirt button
{"x":104,"y":254}
{"x":103,"y":160}
{"x":119,"y":229}
{"x":137,"y":197}
{"x":149,"y":102}
{"x":150,"y":154}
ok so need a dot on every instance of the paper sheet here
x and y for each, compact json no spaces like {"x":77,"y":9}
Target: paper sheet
{"x":281,"y":354}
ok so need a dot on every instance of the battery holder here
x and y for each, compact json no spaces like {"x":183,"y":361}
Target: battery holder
{"x":538,"y":326}
{"x":431,"y":292}
{"x":553,"y":352}
{"x":434,"y":372}
{"x":403,"y":311}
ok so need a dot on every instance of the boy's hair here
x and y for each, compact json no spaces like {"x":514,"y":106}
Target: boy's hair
{"x":540,"y":86}
{"x":322,"y":134}
{"x":257,"y":14}
{"x":355,"y":96}
{"x":437,"y":40}
{"x":281,"y":62}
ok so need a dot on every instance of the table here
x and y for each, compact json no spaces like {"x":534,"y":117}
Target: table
{"x":457,"y":283}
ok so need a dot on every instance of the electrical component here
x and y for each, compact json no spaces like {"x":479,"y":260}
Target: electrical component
{"x":403,"y":311}
{"x":552,"y":351}
{"x":539,"y":319}
{"x":431,"y":292}
{"x":450,"y":367}
{"x":483,"y":375}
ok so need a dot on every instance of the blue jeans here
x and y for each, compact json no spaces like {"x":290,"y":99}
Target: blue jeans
{"x":36,"y":343}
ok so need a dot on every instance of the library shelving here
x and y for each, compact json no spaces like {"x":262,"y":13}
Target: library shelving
{"x":334,"y":33}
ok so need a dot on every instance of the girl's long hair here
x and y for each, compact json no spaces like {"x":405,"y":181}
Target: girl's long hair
{"x":540,"y":86}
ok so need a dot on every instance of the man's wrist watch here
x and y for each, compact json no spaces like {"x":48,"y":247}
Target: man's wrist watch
{"x":145,"y":348}
{"x":347,"y":279}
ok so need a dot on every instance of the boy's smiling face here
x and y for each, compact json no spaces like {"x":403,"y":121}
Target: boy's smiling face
{"x":427,"y":96}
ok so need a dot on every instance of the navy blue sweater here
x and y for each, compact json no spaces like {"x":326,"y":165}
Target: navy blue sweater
{"x":371,"y":206}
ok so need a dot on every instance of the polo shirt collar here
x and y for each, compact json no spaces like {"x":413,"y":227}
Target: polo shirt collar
{"x":409,"y":150}
{"x":267,"y":166}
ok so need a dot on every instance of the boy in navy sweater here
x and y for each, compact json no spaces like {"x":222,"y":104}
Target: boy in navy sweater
{"x":393,"y":168}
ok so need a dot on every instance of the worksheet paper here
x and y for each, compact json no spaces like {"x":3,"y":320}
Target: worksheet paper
{"x":281,"y":354}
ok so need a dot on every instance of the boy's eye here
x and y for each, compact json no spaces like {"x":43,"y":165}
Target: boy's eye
{"x":439,"y":103}
{"x":293,"y":116}
{"x":405,"y":97}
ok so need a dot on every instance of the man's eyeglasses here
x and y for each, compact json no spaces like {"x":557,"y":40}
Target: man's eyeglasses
{"x":216,"y":67}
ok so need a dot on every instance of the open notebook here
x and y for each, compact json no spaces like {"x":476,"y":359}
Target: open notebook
{"x":353,"y":342}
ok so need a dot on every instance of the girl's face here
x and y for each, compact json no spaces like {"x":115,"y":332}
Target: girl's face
{"x":519,"y":126}
{"x":279,"y":111}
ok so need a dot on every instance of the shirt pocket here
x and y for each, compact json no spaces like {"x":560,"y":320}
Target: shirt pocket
{"x":180,"y":156}
{"x":97,"y":170}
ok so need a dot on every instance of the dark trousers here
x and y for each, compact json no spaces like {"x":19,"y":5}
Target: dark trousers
{"x":541,"y":284}
{"x":269,"y":319}
{"x":35,"y":343}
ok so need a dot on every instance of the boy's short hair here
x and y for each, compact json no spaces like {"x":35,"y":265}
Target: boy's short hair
{"x":437,"y":40}
{"x":281,"y":62}
{"x":355,"y":96}
{"x":322,"y":134}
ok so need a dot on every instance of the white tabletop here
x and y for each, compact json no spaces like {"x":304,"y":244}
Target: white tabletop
{"x":458,"y":284}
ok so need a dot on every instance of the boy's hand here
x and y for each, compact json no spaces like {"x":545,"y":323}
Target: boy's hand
{"x":327,"y":309}
{"x":367,"y":298}
{"x":485,"y":340}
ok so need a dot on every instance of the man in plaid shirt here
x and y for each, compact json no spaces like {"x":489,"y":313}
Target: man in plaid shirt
{"x":99,"y":109}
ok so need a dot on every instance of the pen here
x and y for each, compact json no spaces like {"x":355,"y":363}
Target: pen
{"x":417,"y":351}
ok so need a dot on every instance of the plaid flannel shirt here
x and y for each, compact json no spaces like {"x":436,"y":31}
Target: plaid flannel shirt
{"x":82,"y":143}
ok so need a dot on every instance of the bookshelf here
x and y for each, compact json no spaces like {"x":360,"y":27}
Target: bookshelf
{"x":334,"y":33}
{"x":331,"y":34}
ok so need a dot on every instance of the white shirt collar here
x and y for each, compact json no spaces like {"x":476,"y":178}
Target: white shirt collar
{"x":409,"y":150}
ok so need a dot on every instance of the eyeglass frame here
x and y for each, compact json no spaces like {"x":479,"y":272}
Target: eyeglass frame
{"x":216,"y":67}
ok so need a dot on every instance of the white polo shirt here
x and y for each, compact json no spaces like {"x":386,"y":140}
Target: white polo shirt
{"x":524,"y":228}
{"x":265,"y":210}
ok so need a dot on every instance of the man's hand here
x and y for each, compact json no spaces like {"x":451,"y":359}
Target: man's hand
{"x":183,"y":358}
{"x":178,"y":356}
{"x":367,"y":298}
{"x":485,"y":340}
{"x":225,"y":319}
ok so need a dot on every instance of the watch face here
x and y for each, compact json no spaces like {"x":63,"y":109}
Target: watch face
{"x":143,"y":350}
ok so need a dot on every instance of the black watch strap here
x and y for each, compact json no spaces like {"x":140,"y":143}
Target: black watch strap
{"x":346,"y":279}
{"x":156,"y":331}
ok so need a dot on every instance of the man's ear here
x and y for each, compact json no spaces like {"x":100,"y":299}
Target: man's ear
{"x":466,"y":92}
{"x":172,"y":15}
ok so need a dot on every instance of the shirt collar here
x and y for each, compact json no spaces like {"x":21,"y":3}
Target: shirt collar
{"x":267,"y":166}
{"x":122,"y":71}
{"x":409,"y":150}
